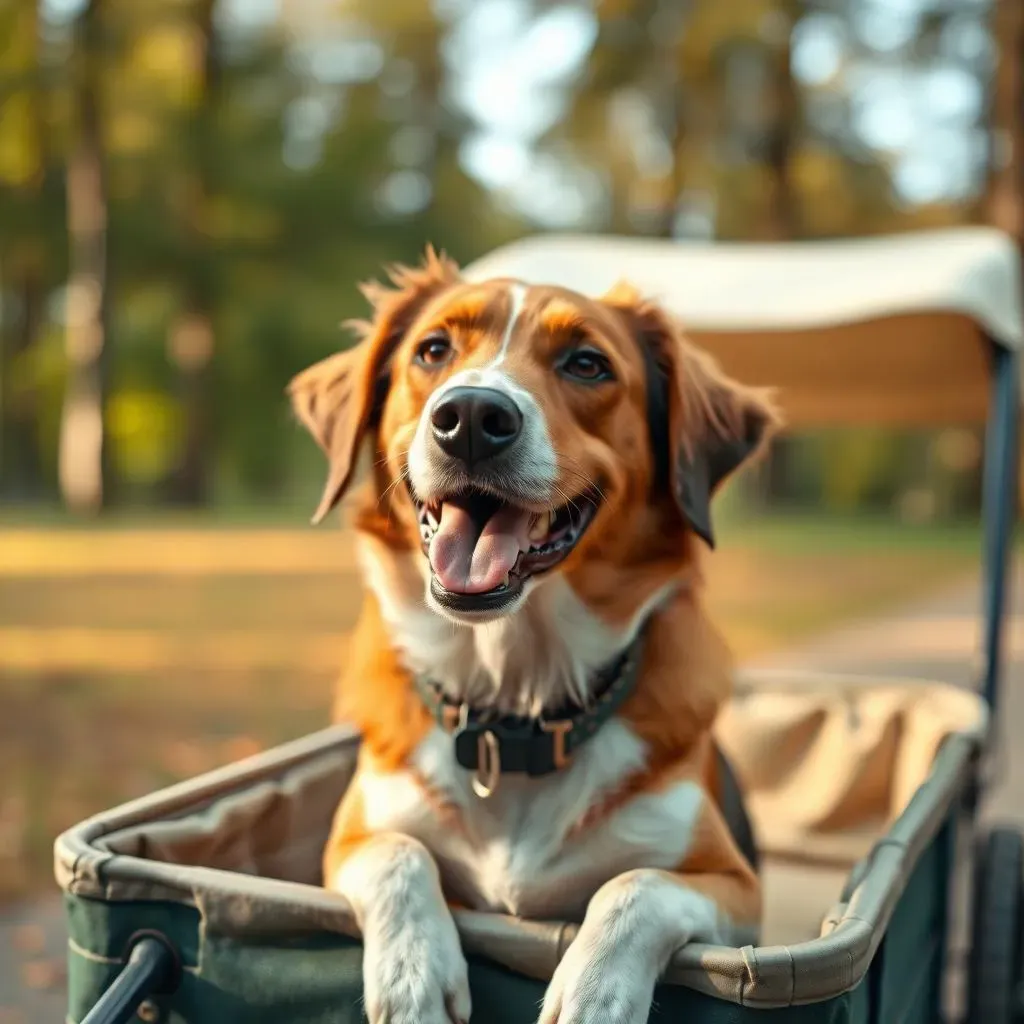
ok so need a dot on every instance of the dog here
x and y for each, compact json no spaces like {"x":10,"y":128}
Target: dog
{"x":532,"y":673}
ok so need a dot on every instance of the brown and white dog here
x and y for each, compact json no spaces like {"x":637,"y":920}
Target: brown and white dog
{"x":532,"y":673}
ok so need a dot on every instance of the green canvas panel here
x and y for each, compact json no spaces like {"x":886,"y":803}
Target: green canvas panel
{"x":316,"y":979}
{"x":907,"y":970}
{"x":227,"y":867}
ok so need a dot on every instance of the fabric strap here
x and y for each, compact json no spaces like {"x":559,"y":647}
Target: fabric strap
{"x":492,"y":745}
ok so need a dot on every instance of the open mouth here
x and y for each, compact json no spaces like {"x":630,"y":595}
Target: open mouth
{"x":482,"y":549}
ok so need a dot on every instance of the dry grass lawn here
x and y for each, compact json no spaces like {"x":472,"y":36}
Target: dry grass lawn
{"x":132,"y":658}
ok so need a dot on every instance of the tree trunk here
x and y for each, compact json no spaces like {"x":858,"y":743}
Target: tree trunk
{"x":780,"y":223}
{"x":20,"y":462}
{"x":1002,"y":204}
{"x":192,"y":336}
{"x":82,"y":461}
{"x":669,"y":17}
{"x":26,"y":279}
{"x":1003,"y":201}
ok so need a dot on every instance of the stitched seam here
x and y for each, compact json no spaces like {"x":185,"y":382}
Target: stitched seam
{"x":110,"y":961}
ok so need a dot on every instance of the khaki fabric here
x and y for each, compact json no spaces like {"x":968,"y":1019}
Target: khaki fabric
{"x":243,"y":844}
{"x":770,"y":288}
{"x":827,"y":763}
{"x":890,"y":330}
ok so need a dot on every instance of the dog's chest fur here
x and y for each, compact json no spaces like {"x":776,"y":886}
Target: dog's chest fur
{"x":518,"y":851}
{"x":541,"y":657}
{"x":515,"y":852}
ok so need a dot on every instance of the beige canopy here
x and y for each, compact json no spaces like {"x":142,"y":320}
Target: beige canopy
{"x":889,"y":330}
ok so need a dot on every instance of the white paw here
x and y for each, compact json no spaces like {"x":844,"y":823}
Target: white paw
{"x":600,"y":980}
{"x":415,"y":973}
{"x":632,"y":926}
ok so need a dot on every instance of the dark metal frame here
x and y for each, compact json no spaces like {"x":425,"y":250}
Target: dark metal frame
{"x":151,"y":969}
{"x":999,"y":508}
{"x":999,"y":517}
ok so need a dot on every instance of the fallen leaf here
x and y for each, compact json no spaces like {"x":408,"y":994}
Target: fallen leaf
{"x":43,"y":974}
{"x":29,"y":938}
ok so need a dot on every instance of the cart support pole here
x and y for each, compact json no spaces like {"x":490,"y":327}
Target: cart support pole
{"x":152,"y":968}
{"x":999,"y":509}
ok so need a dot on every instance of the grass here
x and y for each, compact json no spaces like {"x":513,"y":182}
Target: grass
{"x":134,"y":657}
{"x":809,"y":534}
{"x":282,"y":514}
{"x":781,"y":580}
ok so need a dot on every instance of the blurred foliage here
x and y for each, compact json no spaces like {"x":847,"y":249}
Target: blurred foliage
{"x":262,"y":158}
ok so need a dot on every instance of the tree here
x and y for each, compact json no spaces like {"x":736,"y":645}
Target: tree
{"x":193,"y":333}
{"x":1003,"y":199}
{"x":781,"y":208}
{"x":83,"y":455}
{"x":28,"y":197}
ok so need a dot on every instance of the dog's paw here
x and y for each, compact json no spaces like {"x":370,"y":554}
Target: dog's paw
{"x":600,"y":980}
{"x":413,"y":968}
{"x":632,"y":926}
{"x":416,"y":975}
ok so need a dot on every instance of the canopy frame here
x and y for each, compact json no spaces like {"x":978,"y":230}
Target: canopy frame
{"x":999,"y":510}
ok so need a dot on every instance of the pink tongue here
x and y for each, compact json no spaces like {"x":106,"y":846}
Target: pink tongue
{"x":468,"y":561}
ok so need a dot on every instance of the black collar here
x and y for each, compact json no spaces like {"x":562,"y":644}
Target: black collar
{"x":489,"y":744}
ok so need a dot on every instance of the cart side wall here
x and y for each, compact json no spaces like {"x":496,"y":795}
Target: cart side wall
{"x":906,"y":974}
{"x":316,"y":977}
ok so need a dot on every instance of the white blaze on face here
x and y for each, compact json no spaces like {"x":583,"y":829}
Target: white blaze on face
{"x":517,"y":299}
{"x":533,"y":467}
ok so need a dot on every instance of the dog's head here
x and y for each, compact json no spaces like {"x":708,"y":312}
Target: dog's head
{"x":522,"y":432}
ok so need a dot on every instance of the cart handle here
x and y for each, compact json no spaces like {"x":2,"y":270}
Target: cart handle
{"x":152,"y":968}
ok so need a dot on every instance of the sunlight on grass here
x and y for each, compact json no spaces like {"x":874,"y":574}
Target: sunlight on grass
{"x":172,"y":552}
{"x":131,"y":658}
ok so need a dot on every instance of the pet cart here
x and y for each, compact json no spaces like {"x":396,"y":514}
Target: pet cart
{"x":201,"y":903}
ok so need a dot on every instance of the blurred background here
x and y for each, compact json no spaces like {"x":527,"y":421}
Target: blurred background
{"x":190,"y":191}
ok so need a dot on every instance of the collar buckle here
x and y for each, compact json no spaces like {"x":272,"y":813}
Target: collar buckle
{"x":558,"y":729}
{"x":490,"y":744}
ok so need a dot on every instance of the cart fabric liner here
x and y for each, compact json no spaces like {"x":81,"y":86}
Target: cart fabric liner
{"x":894,"y":329}
{"x":852,"y":785}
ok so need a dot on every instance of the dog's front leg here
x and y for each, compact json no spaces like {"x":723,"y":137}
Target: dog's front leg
{"x":414,"y":971}
{"x":633,"y":926}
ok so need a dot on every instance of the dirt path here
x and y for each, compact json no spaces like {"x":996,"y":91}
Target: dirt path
{"x":32,"y":967}
{"x":940,"y":639}
{"x":936,"y":639}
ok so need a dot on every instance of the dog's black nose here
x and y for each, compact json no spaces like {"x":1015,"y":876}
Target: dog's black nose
{"x":473,"y":424}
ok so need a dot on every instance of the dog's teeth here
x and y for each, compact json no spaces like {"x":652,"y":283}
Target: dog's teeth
{"x":432,"y":519}
{"x":540,"y":528}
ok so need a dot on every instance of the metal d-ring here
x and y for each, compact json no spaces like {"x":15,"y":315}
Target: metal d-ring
{"x":488,"y":771}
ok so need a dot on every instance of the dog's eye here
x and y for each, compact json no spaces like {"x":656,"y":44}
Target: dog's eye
{"x":434,"y":351}
{"x":587,"y":365}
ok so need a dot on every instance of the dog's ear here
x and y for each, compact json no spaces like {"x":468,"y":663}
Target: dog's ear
{"x":340,"y":398}
{"x":704,"y":425}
